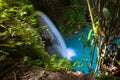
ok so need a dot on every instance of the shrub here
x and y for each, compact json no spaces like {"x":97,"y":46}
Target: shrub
{"x":18,"y":39}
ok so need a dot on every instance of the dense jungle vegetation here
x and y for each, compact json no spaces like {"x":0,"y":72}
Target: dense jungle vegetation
{"x":20,"y":44}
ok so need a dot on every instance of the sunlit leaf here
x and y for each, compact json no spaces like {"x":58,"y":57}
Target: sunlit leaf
{"x":89,"y":34}
{"x":12,"y":10}
{"x":0,"y":0}
{"x":6,"y":53}
{"x":23,"y":13}
{"x":19,"y":43}
{"x":25,"y":58}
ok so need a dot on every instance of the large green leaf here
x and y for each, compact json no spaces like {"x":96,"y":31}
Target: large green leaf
{"x":106,"y":12}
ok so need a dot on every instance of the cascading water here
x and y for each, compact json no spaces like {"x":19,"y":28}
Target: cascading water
{"x":75,"y":48}
{"x":55,"y":37}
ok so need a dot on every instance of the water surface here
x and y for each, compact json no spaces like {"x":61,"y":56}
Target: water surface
{"x":82,"y":54}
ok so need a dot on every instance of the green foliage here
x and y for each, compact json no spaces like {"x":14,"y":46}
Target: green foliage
{"x":89,"y":34}
{"x":68,"y":15}
{"x":18,"y":39}
{"x":73,"y":19}
{"x":59,"y":64}
{"x":105,"y":22}
{"x":106,"y":12}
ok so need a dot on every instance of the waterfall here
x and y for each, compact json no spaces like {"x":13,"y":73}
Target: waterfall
{"x":53,"y":34}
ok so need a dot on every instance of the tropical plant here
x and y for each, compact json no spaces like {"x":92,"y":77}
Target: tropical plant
{"x":73,"y":18}
{"x":68,"y":15}
{"x":18,"y":39}
{"x":105,"y":23}
{"x":59,"y":64}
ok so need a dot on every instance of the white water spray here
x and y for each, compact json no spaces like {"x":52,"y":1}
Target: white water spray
{"x":70,"y":53}
{"x":55,"y":36}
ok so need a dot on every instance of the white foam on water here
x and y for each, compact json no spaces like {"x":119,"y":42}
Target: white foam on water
{"x":70,"y":53}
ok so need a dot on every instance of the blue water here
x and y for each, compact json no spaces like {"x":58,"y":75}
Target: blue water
{"x":75,"y":49}
{"x":82,"y":54}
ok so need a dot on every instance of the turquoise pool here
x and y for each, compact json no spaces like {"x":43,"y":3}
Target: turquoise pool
{"x":73,"y":47}
{"x":83,"y":54}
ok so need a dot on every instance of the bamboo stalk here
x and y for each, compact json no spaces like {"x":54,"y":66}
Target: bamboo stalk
{"x":91,"y":16}
{"x":95,"y":31}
